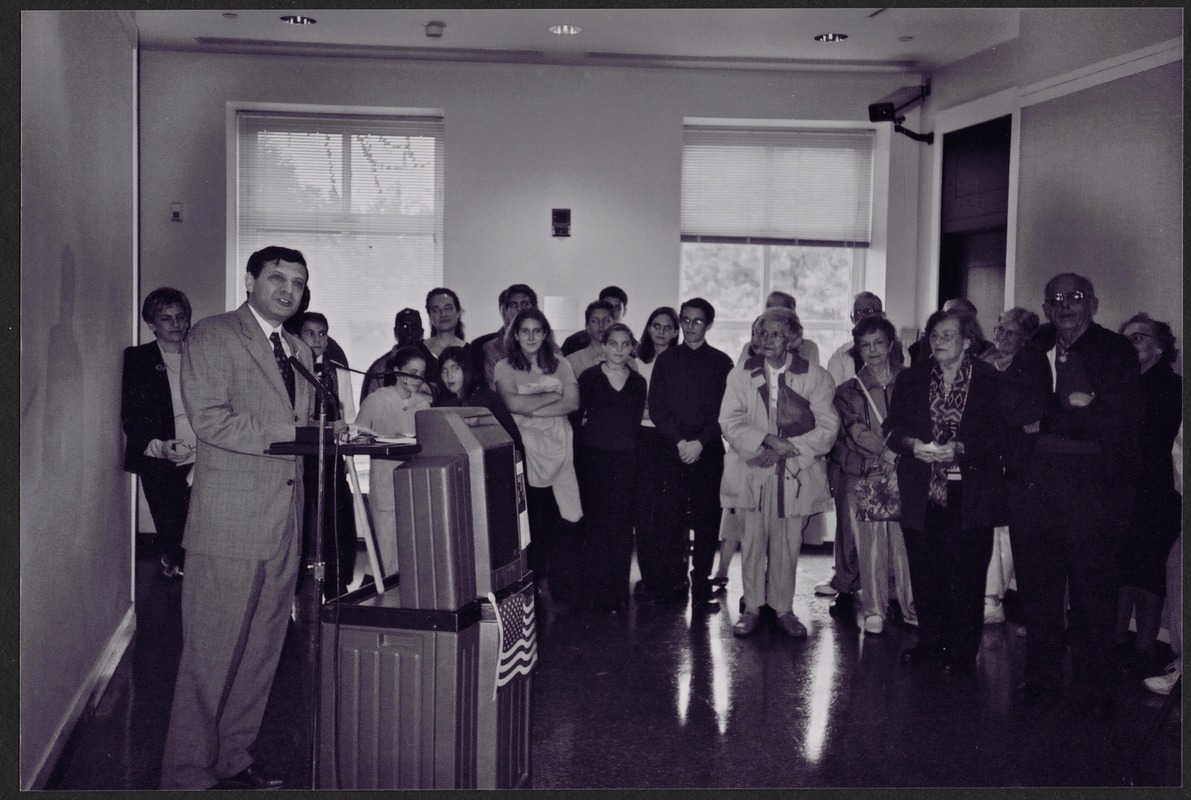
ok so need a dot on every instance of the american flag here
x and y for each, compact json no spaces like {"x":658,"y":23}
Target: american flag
{"x":518,"y":635}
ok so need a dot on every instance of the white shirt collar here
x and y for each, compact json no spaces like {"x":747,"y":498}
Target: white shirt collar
{"x":772,"y":372}
{"x":270,"y":330}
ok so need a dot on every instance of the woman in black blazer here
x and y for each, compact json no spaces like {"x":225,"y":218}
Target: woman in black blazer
{"x":160,"y":442}
{"x":946,"y":424}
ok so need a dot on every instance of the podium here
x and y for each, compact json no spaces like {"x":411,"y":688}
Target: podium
{"x":409,"y":695}
{"x":410,"y":701}
{"x":310,"y":579}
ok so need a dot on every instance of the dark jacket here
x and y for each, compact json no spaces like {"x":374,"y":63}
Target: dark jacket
{"x":982,"y":430}
{"x":1158,"y":504}
{"x":1109,"y":426}
{"x":1025,"y":394}
{"x":146,"y":408}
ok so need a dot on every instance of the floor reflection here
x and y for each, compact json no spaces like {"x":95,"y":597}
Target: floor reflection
{"x":663,"y":698}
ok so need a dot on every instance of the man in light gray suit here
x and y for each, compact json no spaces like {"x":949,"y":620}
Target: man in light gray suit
{"x":243,"y":533}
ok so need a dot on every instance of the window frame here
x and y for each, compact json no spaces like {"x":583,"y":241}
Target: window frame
{"x":234,"y":270}
{"x":875,"y":258}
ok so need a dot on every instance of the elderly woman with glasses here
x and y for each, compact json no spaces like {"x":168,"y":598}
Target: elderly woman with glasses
{"x":861,"y":451}
{"x":778,"y":416}
{"x":946,"y":422}
{"x":1157,"y":511}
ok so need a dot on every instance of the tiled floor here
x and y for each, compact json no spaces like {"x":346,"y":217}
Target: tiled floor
{"x":663,"y":697}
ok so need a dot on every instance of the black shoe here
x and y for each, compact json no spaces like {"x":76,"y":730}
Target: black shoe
{"x":1038,"y":695}
{"x":959,"y":667}
{"x":254,"y":776}
{"x":707,"y":605}
{"x":921,"y":653}
{"x":843,"y":607}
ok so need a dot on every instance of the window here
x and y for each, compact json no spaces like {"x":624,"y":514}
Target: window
{"x":776,"y":208}
{"x":362,"y":198}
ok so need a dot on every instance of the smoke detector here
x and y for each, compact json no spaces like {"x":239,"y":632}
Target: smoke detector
{"x":434,"y":29}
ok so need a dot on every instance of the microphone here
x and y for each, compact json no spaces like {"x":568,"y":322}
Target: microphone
{"x":322,"y":391}
{"x":396,"y":372}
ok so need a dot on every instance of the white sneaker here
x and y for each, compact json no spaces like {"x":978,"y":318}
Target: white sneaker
{"x":874,"y":624}
{"x":994,"y":612}
{"x":1163,"y":684}
{"x":826,"y":590}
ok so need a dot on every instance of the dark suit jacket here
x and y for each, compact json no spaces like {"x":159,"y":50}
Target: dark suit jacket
{"x":146,"y":408}
{"x":243,"y":502}
{"x":982,"y":429}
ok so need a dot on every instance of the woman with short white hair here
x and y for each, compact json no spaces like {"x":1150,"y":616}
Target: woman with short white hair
{"x":779,"y":418}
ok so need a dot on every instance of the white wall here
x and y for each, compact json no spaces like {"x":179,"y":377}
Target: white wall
{"x":77,"y":303}
{"x":520,"y":140}
{"x":1101,"y":194}
{"x":1100,"y":173}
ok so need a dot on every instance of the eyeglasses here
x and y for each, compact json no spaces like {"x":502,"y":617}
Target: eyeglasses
{"x":698,"y":323}
{"x":946,"y":338}
{"x":660,"y":328}
{"x":1003,"y":331}
{"x":1137,"y":336}
{"x":1059,"y":298}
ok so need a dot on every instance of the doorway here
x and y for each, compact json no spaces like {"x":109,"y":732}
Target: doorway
{"x":975,"y":215}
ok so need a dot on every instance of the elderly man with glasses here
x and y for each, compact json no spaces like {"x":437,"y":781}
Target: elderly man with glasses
{"x":1080,"y":481}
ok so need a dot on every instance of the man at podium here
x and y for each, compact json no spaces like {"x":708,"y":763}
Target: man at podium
{"x":243,"y":534}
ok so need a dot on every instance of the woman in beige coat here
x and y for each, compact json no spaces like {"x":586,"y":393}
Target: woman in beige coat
{"x":779,"y":419}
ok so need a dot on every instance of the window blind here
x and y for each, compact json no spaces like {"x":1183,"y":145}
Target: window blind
{"x":777,"y":186}
{"x":372,"y":175}
{"x":361,"y":196}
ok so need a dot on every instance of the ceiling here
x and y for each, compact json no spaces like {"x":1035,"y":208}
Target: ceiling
{"x":880,"y":40}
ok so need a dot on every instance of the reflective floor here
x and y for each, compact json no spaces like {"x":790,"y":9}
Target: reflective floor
{"x":663,"y":697}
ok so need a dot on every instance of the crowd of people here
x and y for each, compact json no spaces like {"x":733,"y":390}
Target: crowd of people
{"x":1042,"y":458}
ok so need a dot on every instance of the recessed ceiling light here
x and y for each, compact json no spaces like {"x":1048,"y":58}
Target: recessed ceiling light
{"x":298,"y":19}
{"x":230,"y":15}
{"x":831,"y":37}
{"x":905,"y":38}
{"x":565,"y":30}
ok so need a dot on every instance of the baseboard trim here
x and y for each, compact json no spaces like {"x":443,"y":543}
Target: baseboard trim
{"x":86,"y":700}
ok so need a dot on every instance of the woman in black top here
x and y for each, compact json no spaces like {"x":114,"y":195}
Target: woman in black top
{"x":947,"y":423}
{"x":1157,"y":512}
{"x":611,"y":402}
{"x":654,"y":469}
{"x":459,"y":386}
{"x":160,"y":446}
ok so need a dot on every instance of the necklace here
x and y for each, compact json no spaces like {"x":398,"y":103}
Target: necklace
{"x":609,"y":368}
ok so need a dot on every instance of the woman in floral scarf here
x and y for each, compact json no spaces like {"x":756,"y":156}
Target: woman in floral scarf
{"x":946,"y":423}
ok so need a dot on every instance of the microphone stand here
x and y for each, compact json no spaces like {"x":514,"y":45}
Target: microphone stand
{"x":314,"y":663}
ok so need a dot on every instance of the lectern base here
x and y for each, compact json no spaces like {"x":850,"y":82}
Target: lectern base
{"x":410,"y":703}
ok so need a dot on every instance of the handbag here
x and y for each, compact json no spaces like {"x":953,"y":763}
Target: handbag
{"x":877,"y":498}
{"x":877,"y":495}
